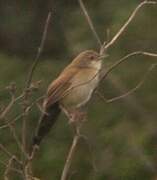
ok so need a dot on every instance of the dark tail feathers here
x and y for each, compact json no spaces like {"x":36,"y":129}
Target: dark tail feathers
{"x":46,"y":122}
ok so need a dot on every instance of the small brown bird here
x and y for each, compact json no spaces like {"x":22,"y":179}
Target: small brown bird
{"x":70,"y":91}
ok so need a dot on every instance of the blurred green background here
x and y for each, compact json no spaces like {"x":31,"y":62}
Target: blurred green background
{"x":123,"y":134}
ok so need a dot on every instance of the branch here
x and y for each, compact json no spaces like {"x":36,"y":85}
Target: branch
{"x":70,"y":156}
{"x":6,"y":125}
{"x":104,"y":46}
{"x":90,"y":22}
{"x":123,"y":59}
{"x":8,"y":168}
{"x":123,"y":28}
{"x":22,"y":145}
{"x":16,"y":138}
{"x":77,"y":124}
{"x":11,"y":168}
{"x":9,"y":106}
{"x":130,"y":91}
{"x":30,"y":76}
{"x":40,"y":49}
{"x":77,"y":121}
{"x":9,"y":154}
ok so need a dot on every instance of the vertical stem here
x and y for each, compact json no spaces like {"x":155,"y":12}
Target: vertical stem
{"x":90,"y":22}
{"x":24,"y":133}
{"x":70,"y":157}
{"x":40,"y":49}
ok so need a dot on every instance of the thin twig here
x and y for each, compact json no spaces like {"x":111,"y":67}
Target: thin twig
{"x":66,"y":169}
{"x":123,"y":59}
{"x":40,"y":49}
{"x":24,"y":133}
{"x":9,"y":154}
{"x":90,"y":152}
{"x":13,"y":169}
{"x":26,"y":110}
{"x":8,"y":168}
{"x":22,"y":145}
{"x":5,"y":150}
{"x":130,"y":91}
{"x":9,"y":106}
{"x":15,"y":136}
{"x":123,"y":28}
{"x":104,"y":45}
{"x":90,"y":22}
{"x":70,"y":156}
{"x":27,"y":166}
{"x":6,"y":125}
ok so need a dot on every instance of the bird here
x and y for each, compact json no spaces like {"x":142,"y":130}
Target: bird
{"x":70,"y":91}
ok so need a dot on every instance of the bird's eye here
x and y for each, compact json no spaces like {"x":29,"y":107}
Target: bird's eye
{"x":91,"y":57}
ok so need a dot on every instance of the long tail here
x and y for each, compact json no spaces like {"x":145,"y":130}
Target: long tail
{"x":46,"y":122}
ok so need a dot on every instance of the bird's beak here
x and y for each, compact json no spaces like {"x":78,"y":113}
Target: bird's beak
{"x":103,"y":56}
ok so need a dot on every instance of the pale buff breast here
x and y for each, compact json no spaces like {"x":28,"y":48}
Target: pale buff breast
{"x":81,"y":89}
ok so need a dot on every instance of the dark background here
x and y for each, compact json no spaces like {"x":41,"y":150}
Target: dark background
{"x":123,"y":134}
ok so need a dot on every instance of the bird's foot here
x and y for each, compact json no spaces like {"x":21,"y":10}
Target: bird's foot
{"x":76,"y":120}
{"x":78,"y":116}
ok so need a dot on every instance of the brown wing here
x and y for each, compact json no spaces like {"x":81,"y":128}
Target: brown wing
{"x":58,"y":87}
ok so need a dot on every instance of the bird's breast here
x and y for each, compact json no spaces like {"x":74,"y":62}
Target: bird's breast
{"x":82,"y":86}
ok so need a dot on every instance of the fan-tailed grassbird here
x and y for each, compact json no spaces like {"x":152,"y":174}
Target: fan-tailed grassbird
{"x":70,"y":91}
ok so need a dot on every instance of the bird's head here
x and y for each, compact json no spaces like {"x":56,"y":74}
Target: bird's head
{"x":88,"y":58}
